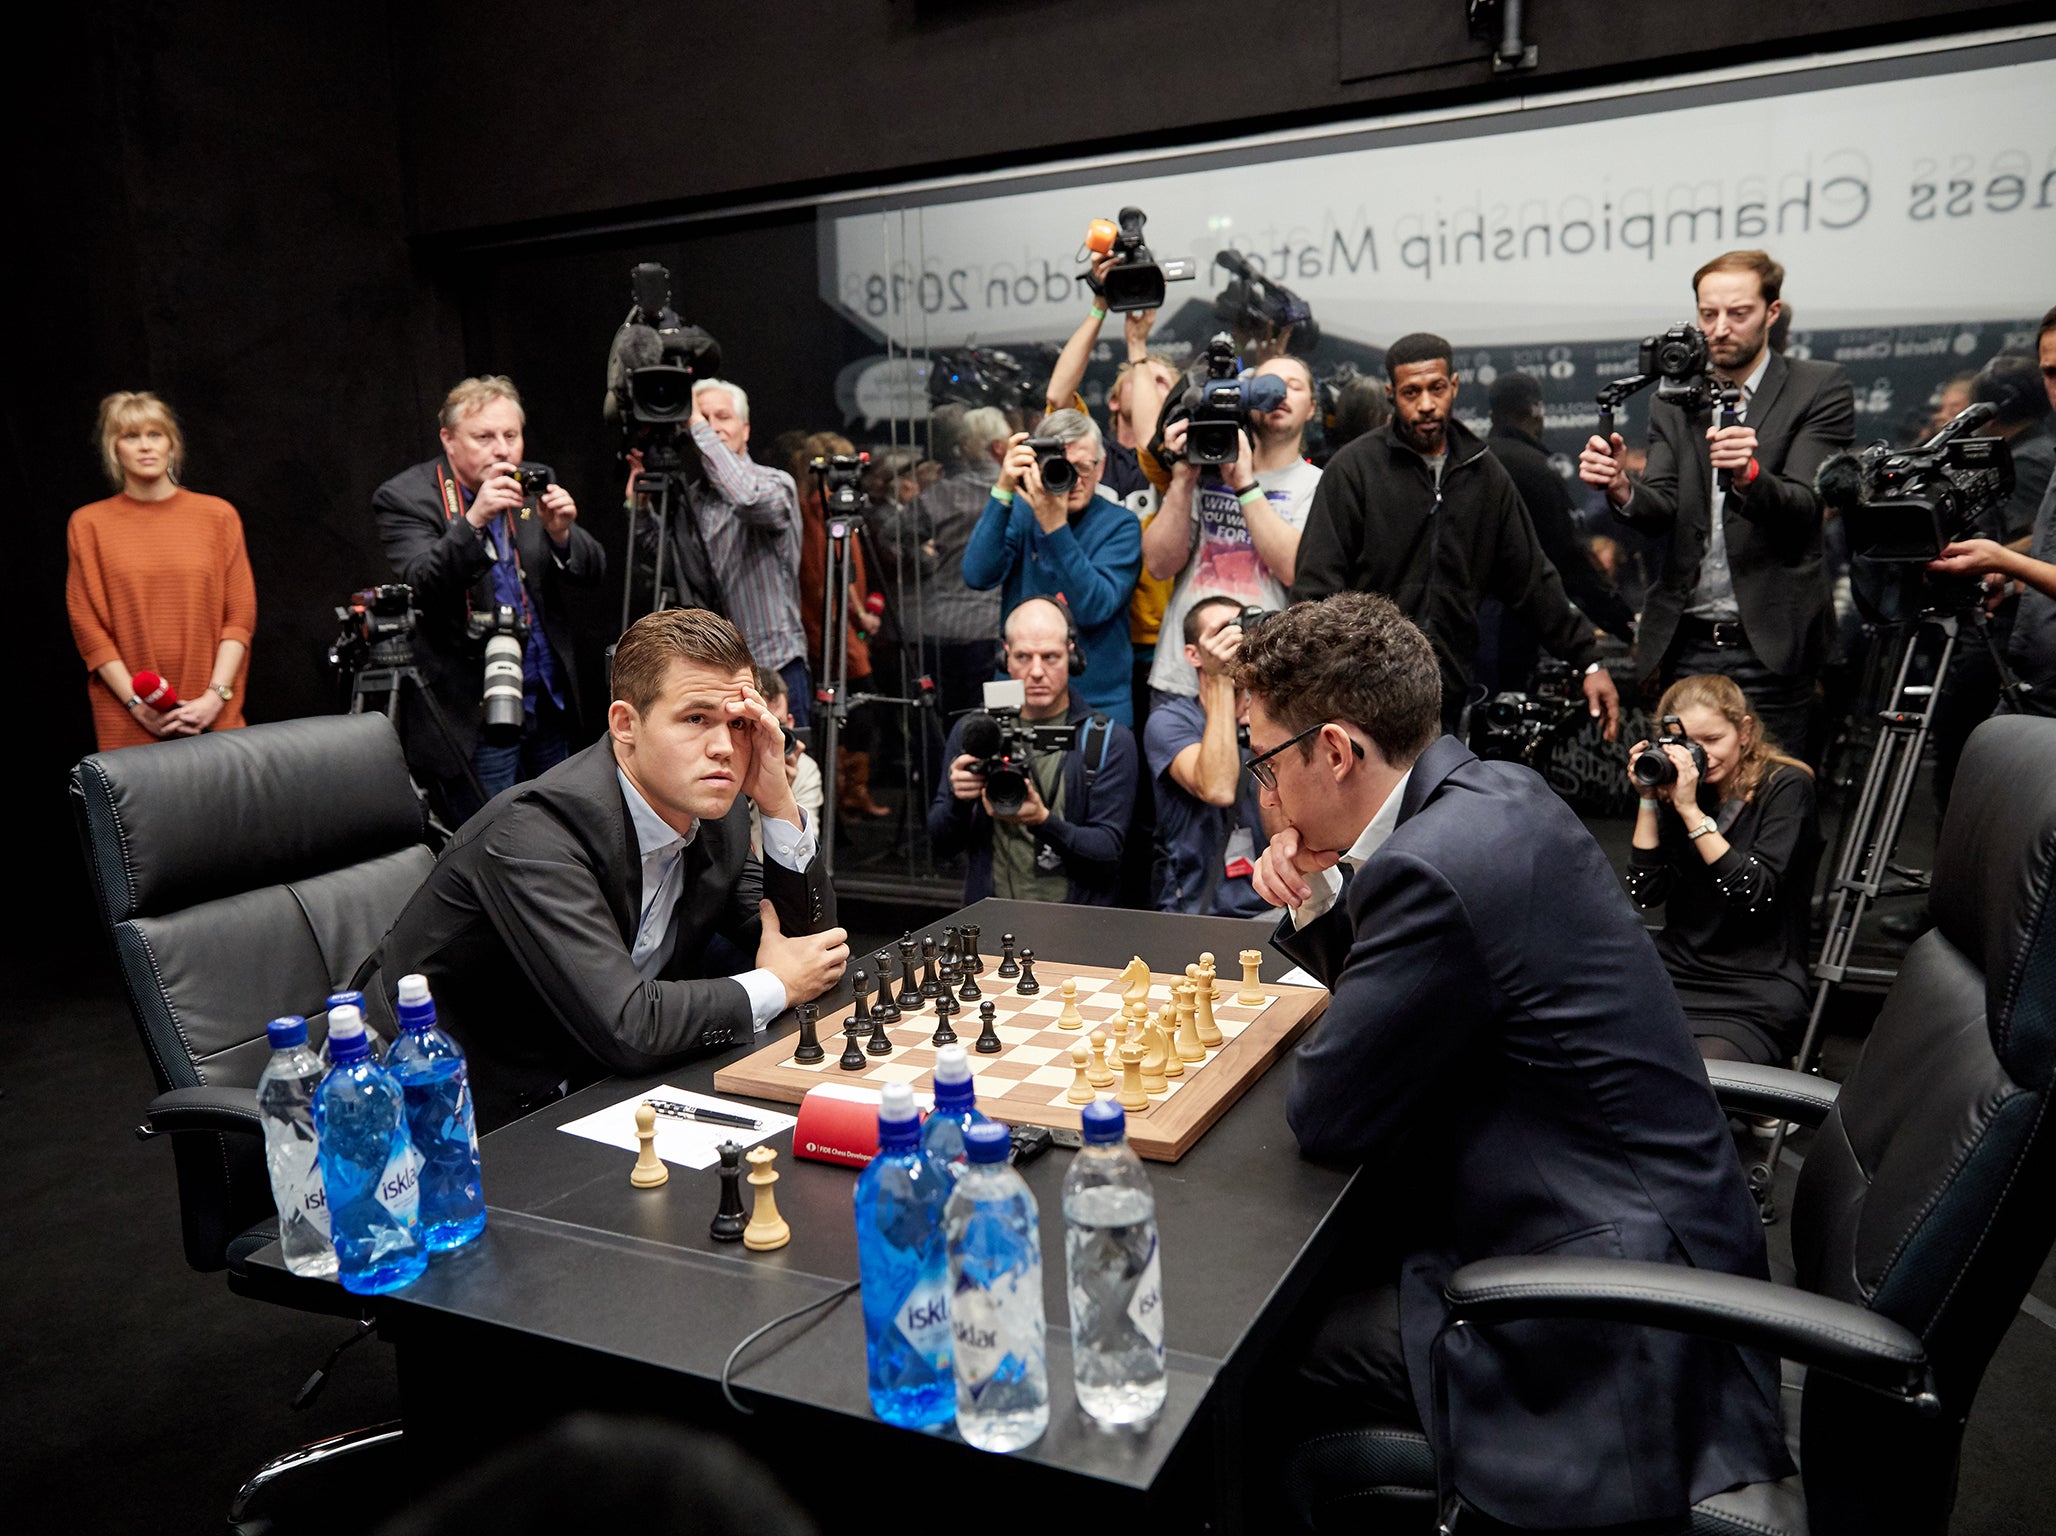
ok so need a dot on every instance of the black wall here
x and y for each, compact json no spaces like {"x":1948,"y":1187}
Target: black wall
{"x":277,"y":218}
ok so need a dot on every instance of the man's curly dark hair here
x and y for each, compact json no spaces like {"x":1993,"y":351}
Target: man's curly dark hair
{"x":1353,"y":657}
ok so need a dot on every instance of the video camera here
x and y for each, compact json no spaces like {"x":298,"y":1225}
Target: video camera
{"x":1218,"y":402}
{"x":1654,"y":769}
{"x":655,"y":359}
{"x":978,"y":376}
{"x":841,"y":478}
{"x":377,"y":629}
{"x":1516,"y":727}
{"x":1137,"y":278}
{"x":1259,"y":310}
{"x":1905,"y":505}
{"x":1005,"y":745}
{"x":502,"y":707}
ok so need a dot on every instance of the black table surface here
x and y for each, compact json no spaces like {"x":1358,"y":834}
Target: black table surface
{"x":575,"y":1255}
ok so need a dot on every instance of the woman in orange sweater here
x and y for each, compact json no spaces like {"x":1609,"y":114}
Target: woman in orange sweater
{"x":159,"y":582}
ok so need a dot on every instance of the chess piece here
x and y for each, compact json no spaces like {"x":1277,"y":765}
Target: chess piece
{"x":852,"y":1059}
{"x":1135,"y":981}
{"x":1251,"y":995}
{"x":1132,"y":1096}
{"x":880,"y":1043}
{"x":944,"y":1035}
{"x":1070,"y":1018}
{"x":1101,"y":1075}
{"x":1167,"y":1026}
{"x":910,"y":989}
{"x":1008,"y":968}
{"x":929,"y":983}
{"x":1206,"y":969}
{"x":1153,"y":1054}
{"x":808,"y":1051}
{"x":861,"y":985}
{"x":729,"y":1220}
{"x":988,"y":1042}
{"x":970,"y":991}
{"x":1204,"y":998}
{"x":969,"y":951}
{"x":767,"y":1229}
{"x":946,"y":989}
{"x":1027,"y":986}
{"x":649,"y":1170}
{"x":1080,"y":1091}
{"x":1186,"y":1041}
{"x":884,"y":1007}
{"x":952,"y":943}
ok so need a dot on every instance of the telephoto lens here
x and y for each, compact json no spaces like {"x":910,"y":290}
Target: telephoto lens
{"x":503,"y":706}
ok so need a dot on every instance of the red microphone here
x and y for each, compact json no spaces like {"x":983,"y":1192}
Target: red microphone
{"x":155,"y":691}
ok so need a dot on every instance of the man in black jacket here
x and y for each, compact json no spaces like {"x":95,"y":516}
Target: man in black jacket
{"x":1504,"y":1047}
{"x":1516,"y":441}
{"x":1419,"y":511}
{"x":584,"y":923}
{"x":1744,"y":595}
{"x":468,"y":536}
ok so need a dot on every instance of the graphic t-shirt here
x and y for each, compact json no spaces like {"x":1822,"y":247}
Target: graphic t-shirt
{"x":1224,"y":563}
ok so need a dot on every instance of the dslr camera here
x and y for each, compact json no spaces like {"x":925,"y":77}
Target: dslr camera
{"x":1005,"y":745}
{"x":1059,"y":474}
{"x":1904,"y":505}
{"x":1137,"y":278}
{"x":1259,"y":310}
{"x":1218,"y":402}
{"x":377,"y":628}
{"x":1515,"y":727}
{"x":1654,"y":769}
{"x":1682,"y":365}
{"x":502,"y":706}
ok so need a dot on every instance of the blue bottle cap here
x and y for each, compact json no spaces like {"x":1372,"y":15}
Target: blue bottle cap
{"x":417,"y":1008}
{"x":346,"y":1000}
{"x":1104,"y":1122}
{"x":287,"y":1031}
{"x":988,"y":1143}
{"x":347,"y":1041}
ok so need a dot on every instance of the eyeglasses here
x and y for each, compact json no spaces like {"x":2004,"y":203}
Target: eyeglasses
{"x":1260,"y":767}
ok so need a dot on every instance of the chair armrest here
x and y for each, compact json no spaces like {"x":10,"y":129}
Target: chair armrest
{"x":1754,"y":1090}
{"x":206,"y":1109}
{"x":1816,"y":1331}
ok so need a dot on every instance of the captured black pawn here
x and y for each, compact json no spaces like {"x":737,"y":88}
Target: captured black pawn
{"x":1027,"y":986}
{"x":885,"y":1008}
{"x":853,"y":1059}
{"x":988,"y":1032}
{"x":910,"y":987}
{"x":730,"y":1219}
{"x":968,"y":950}
{"x":1007,"y":968}
{"x":808,"y":1051}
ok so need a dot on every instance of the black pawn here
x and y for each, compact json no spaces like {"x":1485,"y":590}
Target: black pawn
{"x":944,"y":1035}
{"x":1028,"y":986}
{"x":730,"y":1219}
{"x":1007,"y":968}
{"x":885,"y":1008}
{"x":852,"y":1053}
{"x":988,"y":1035}
{"x":968,"y":951}
{"x":969,"y":991}
{"x":910,"y":1000}
{"x":809,"y":1049}
{"x":929,"y":985}
{"x":946,"y":988}
{"x":880,"y":1042}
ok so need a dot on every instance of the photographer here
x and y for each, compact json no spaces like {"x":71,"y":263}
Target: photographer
{"x":1064,"y":844}
{"x":1134,"y":400}
{"x":1081,"y":546}
{"x":1235,"y":533}
{"x":1728,"y":849}
{"x":469,"y":536}
{"x":1209,"y":822}
{"x":1419,"y":511}
{"x":1743,"y":593}
{"x":748,"y":515}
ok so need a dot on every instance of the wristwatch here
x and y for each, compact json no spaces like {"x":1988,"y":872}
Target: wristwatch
{"x":223,"y":689}
{"x":1706,"y":825}
{"x":1597,"y":666}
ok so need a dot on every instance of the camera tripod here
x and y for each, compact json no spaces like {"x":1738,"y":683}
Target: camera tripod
{"x":662,"y":481}
{"x":392,"y":670}
{"x":1863,"y":868}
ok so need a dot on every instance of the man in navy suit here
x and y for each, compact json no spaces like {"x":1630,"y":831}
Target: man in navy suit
{"x":1503,"y":1044}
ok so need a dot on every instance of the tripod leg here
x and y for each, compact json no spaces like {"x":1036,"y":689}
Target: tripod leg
{"x":628,"y":565}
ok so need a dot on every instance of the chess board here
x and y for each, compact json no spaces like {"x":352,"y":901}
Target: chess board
{"x":1026,"y":1082}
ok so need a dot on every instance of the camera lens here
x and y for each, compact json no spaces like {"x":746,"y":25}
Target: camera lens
{"x":1059,"y":474}
{"x":1653,"y":769}
{"x":1006,"y":788}
{"x":503,"y":703}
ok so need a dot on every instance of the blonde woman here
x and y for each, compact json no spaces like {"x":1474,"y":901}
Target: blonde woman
{"x":1729,"y":850}
{"x":159,"y":582}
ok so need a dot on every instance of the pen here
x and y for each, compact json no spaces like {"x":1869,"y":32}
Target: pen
{"x":678,"y":1111}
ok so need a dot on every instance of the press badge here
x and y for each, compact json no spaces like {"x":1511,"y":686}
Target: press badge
{"x":1239,"y":860}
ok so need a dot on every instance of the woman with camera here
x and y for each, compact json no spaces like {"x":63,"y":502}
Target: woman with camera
{"x":1726,"y":840}
{"x":159,"y":584}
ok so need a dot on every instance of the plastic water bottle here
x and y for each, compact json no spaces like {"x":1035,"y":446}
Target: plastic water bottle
{"x":431,"y":1071}
{"x":995,"y":1299}
{"x":285,"y":1098}
{"x":902,"y":1263}
{"x":956,"y":1110}
{"x":1115,"y":1277}
{"x":353,"y":1000}
{"x":368,"y":1164}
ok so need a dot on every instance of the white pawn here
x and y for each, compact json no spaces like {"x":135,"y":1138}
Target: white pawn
{"x":1070,"y":1018}
{"x":1081,"y":1091}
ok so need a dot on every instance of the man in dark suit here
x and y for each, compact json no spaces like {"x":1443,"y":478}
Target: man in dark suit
{"x":579,"y":925}
{"x":1504,"y":1046}
{"x":1745,"y":594}
{"x":468,"y":536}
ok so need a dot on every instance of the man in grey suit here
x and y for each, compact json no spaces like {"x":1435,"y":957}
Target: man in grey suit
{"x":595,"y":919}
{"x":1504,"y":1049}
{"x":1744,"y":593}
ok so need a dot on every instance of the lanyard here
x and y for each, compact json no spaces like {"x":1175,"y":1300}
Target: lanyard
{"x":453,"y":508}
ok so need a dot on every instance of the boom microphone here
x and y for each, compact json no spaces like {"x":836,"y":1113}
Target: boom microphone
{"x":155,"y":691}
{"x":1839,"y":481}
{"x":981,"y":736}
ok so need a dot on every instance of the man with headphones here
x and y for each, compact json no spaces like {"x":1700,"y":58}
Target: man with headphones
{"x":1065,"y":842}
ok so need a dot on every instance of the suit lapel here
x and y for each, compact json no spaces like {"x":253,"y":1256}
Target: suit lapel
{"x":1444,"y":756}
{"x":1774,"y":374}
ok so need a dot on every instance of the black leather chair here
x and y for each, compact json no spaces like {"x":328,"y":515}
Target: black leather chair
{"x":242,"y":876}
{"x":1925,"y":1207}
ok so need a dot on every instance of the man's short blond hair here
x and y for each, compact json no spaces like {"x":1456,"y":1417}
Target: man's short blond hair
{"x":475,"y":395}
{"x":128,"y":410}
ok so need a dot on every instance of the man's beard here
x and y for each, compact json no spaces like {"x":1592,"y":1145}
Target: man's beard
{"x":1269,"y":436}
{"x":1408,"y":435}
{"x":1743,"y":360}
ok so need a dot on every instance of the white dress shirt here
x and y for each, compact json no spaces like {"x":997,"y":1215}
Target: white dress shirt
{"x":1326,"y":884}
{"x":663,"y":880}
